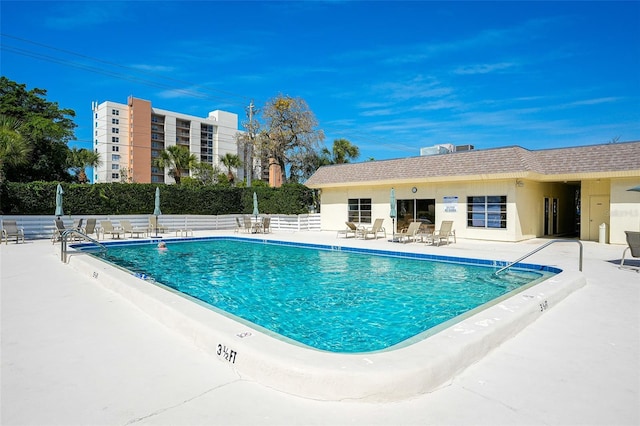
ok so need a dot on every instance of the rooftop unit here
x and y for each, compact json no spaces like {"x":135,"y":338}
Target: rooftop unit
{"x":437,"y":149}
{"x":445,"y":148}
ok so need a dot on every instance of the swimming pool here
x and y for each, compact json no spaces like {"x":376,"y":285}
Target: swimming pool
{"x":414,"y":366}
{"x":328,"y":299}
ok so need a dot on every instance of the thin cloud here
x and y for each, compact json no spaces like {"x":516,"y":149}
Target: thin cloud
{"x":153,"y":68}
{"x":594,"y":101}
{"x":483,"y":68}
{"x":73,"y":15}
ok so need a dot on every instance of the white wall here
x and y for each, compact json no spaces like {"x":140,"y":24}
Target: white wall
{"x":625,"y":209}
{"x":334,"y":205}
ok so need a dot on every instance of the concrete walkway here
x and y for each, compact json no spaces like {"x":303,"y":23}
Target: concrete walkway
{"x":75,"y":353}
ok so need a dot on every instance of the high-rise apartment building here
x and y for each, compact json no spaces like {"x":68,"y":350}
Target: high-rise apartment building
{"x":130,"y":136}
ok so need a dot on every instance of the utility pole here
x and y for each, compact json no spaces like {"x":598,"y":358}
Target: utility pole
{"x":248,"y":147}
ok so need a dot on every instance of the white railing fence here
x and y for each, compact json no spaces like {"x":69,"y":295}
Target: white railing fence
{"x":36,"y":227}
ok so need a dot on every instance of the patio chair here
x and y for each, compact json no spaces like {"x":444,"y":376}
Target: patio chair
{"x":266,"y":225}
{"x":352,"y":229}
{"x":410,"y":233}
{"x":376,"y":229}
{"x":58,"y":230}
{"x":154,"y":225}
{"x":90,"y":227}
{"x":10,"y":229}
{"x":238,"y":225}
{"x":248,"y":226}
{"x":443,"y":234}
{"x":106,"y":227}
{"x":128,"y":227}
{"x":77,"y":224}
{"x":633,"y":242}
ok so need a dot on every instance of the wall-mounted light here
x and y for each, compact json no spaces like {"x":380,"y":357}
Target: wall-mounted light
{"x":519,"y":183}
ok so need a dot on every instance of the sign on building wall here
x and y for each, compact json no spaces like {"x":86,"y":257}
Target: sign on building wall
{"x":450,"y":204}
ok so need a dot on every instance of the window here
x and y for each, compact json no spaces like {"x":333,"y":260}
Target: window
{"x":359,"y":210}
{"x":487,"y":211}
{"x":115,"y":130}
{"x":115,"y":148}
{"x":115,"y":176}
{"x":115,"y":121}
{"x":115,"y":167}
{"x":115,"y":112}
{"x":115,"y":157}
{"x":115,"y":139}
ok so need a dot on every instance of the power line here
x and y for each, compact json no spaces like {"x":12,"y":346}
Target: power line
{"x":202,"y":94}
{"x":207,"y":94}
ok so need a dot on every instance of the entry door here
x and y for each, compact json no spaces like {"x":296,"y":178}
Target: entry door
{"x":547,"y":216}
{"x":598,"y":214}
{"x":554,"y":215}
{"x":550,"y":216}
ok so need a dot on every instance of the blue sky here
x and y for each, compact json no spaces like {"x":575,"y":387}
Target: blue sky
{"x":391,"y":77}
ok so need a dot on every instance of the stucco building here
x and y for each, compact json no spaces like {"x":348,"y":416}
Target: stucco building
{"x":129,"y":136}
{"x":502,"y":194}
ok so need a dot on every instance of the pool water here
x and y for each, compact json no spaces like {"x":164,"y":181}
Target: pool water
{"x":331,"y":300}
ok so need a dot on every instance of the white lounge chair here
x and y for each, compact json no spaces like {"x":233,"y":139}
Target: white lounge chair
{"x":106,"y":227}
{"x":351,"y":229}
{"x":128,"y":227}
{"x":444,"y":234}
{"x":410,"y":233}
{"x":376,"y":229}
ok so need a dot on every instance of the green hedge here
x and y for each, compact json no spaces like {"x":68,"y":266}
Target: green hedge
{"x":38,"y":198}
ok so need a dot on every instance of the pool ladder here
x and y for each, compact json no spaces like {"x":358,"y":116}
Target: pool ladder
{"x":68,"y":232}
{"x":540,"y":248}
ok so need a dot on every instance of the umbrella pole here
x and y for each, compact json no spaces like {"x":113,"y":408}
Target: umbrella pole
{"x":156,"y":226}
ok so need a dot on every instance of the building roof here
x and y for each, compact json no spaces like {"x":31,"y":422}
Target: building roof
{"x":593,"y":161}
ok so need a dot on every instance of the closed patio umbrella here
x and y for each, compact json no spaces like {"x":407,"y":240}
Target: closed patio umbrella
{"x":393,"y":213}
{"x":156,"y":210}
{"x":59,"y":192}
{"x":255,"y":205}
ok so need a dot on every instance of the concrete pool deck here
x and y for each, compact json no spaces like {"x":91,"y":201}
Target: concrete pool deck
{"x":74,"y":352}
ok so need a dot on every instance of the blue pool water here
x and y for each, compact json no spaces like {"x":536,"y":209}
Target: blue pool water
{"x":331,"y":300}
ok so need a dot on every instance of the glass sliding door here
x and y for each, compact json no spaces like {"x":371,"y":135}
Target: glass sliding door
{"x":423,"y":210}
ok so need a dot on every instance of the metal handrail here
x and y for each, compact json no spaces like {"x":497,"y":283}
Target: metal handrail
{"x":63,"y":244}
{"x":540,"y":248}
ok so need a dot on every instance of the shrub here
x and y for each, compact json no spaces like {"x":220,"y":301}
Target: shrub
{"x":38,"y":198}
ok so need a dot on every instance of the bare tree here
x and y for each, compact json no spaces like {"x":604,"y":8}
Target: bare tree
{"x":290,"y":132}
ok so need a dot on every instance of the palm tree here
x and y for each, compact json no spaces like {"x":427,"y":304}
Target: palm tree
{"x":343,"y":152}
{"x":231,"y":161}
{"x":178,"y":159}
{"x":14,"y":148}
{"x":80,"y":159}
